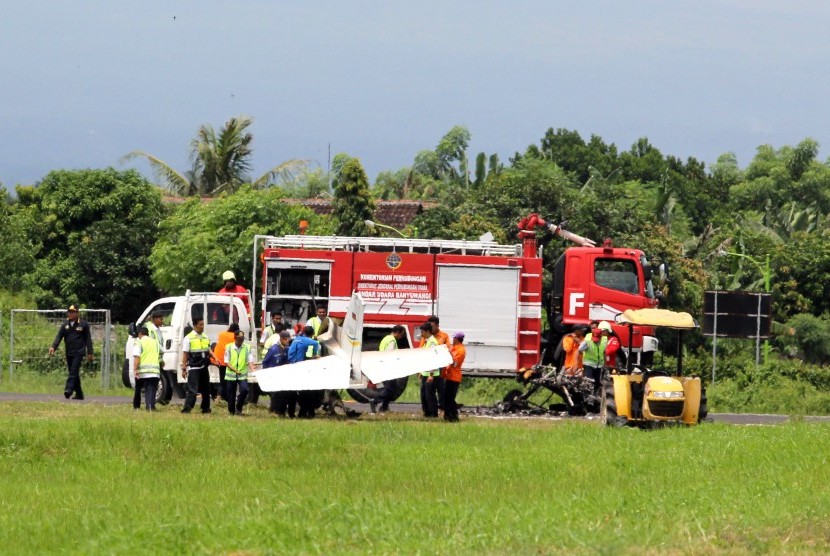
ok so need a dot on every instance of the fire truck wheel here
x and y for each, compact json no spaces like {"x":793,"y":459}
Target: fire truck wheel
{"x":367,"y":395}
{"x":125,"y":373}
{"x":703,"y":410}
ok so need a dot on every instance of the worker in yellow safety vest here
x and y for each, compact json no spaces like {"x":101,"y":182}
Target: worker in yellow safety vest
{"x":386,"y":392}
{"x":321,"y":322}
{"x":429,"y":379}
{"x":146,"y":365}
{"x":239,"y":359}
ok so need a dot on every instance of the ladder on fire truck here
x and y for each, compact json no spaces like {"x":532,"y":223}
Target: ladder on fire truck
{"x":383,"y":245}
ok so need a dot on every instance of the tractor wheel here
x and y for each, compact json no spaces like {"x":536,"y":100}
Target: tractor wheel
{"x":608,"y":408}
{"x":703,"y":410}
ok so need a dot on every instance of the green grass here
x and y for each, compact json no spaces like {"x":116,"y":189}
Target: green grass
{"x":53,"y":383}
{"x":86,"y":478}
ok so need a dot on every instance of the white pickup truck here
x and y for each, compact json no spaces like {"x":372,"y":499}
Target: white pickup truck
{"x":218,"y":310}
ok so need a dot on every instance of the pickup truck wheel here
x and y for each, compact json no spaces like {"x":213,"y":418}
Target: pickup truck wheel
{"x":180,"y":388}
{"x":367,"y":395}
{"x":163,"y":393}
{"x":125,"y":373}
{"x":254,"y":392}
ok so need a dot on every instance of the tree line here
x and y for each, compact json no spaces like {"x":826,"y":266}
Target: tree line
{"x":109,"y":238}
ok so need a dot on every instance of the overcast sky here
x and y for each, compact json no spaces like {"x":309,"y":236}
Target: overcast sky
{"x":84,"y":82}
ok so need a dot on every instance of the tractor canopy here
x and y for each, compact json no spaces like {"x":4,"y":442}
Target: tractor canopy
{"x":658,"y":318}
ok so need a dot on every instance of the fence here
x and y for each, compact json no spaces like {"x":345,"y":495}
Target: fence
{"x":31,"y":333}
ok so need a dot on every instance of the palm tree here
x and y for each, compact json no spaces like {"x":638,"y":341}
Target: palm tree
{"x":220,"y":162}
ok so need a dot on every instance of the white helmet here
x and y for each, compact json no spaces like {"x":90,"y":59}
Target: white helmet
{"x":604,"y":325}
{"x":228,"y":275}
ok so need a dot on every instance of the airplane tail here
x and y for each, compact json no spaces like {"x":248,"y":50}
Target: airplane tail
{"x":351,"y":334}
{"x":345,"y":341}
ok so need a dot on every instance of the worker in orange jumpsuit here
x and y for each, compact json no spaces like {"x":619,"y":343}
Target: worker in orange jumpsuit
{"x":218,"y":355}
{"x":452,"y":377}
{"x":570,"y":347}
{"x":441,"y":337}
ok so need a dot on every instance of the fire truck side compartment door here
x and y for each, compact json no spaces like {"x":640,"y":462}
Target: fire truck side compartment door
{"x":483,"y":302}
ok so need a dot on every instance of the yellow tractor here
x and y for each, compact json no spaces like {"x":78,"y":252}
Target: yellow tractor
{"x":639,"y":396}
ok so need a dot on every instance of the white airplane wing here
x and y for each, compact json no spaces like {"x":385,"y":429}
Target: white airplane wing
{"x":346,"y":366}
{"x":380,"y":366}
{"x":325,"y":373}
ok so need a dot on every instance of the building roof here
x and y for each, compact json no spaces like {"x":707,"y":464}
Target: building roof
{"x":398,"y":214}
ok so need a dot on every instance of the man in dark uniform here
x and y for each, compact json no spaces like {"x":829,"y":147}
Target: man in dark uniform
{"x":78,"y":341}
{"x":195,"y":361}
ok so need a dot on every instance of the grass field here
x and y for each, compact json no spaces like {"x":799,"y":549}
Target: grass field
{"x":87,"y":478}
{"x":53,"y":383}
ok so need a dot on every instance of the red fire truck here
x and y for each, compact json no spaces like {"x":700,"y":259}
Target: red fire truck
{"x":490,"y":291}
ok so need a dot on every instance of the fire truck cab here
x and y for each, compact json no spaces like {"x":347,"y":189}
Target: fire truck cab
{"x":598,"y":283}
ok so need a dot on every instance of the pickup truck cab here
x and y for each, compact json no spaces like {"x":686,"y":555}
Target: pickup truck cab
{"x":218,"y":310}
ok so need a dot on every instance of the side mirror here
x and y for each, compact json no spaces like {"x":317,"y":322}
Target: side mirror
{"x":133,"y":330}
{"x":663,"y":273}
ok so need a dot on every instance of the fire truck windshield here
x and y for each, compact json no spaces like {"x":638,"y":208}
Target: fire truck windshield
{"x":617,"y":274}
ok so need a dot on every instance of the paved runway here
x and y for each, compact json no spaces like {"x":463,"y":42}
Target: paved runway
{"x":730,"y":418}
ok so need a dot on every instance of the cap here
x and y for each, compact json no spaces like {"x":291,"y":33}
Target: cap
{"x":157,"y":315}
{"x":228,"y":275}
{"x":285,"y":334}
{"x":72,"y":309}
{"x":458,"y":335}
{"x":604,"y":325}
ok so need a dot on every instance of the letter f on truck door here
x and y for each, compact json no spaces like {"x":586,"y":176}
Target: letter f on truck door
{"x":575,"y":301}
